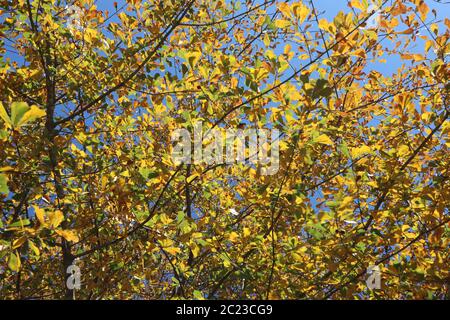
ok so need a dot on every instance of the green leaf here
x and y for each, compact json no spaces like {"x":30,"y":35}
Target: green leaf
{"x":116,"y":265}
{"x":3,"y":134}
{"x":198,"y":295}
{"x":14,"y":261}
{"x":147,"y":173}
{"x":187,"y":116}
{"x":180,"y":216}
{"x":316,"y":231}
{"x":3,"y":184}
{"x":344,"y":149}
{"x":332,"y":203}
{"x":18,"y":109}
{"x":20,"y":223}
{"x":321,"y":89}
{"x":32,"y":114}
{"x":21,"y":114}
{"x":361,"y":246}
{"x":34,"y":248}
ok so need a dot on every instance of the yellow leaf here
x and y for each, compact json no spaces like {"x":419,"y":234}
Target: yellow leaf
{"x":4,"y":116}
{"x":359,"y":53}
{"x":31,"y":115}
{"x":172,"y":250}
{"x":247,"y":232}
{"x":403,"y":150}
{"x":266,"y":41}
{"x":323,"y":139}
{"x":55,"y":218}
{"x":165,"y":219}
{"x":48,"y":21}
{"x":410,"y":235}
{"x":21,"y":113}
{"x":405,"y":227}
{"x":192,"y":177}
{"x":359,"y":151}
{"x":418,"y":57}
{"x":357,"y":4}
{"x":195,"y":251}
{"x":280,"y":23}
{"x":233,"y":236}
{"x":104,"y":181}
{"x":226,"y":263}
{"x":301,"y":11}
{"x":302,"y":249}
{"x":346,"y":201}
{"x":297,"y":257}
{"x":90,"y":35}
{"x":406,"y":56}
{"x":34,"y":248}
{"x":193,"y":58}
{"x":289,"y":118}
{"x":69,"y":235}
{"x":428,"y":45}
{"x":126,"y":174}
{"x":19,"y":242}
{"x":40,"y":215}
{"x":326,"y":26}
{"x":18,"y":110}
{"x":426,"y":116}
{"x":423,"y":9}
{"x":294,"y":95}
{"x":284,"y":8}
{"x":446,"y":127}
{"x":308,"y":86}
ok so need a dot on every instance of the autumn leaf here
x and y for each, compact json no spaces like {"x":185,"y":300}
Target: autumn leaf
{"x":55,"y":218}
{"x":359,"y":151}
{"x":21,"y":114}
{"x":40,"y":215}
{"x":343,"y":105}
{"x":19,"y":242}
{"x":3,"y":184}
{"x":323,"y":139}
{"x":14,"y":262}
{"x":301,"y":11}
{"x":173,"y":250}
{"x":32,"y":114}
{"x":233,"y":236}
{"x":18,"y":110}
{"x":69,"y":235}
{"x":280,"y":23}
{"x":34,"y":248}
{"x":4,"y":116}
{"x":192,"y":177}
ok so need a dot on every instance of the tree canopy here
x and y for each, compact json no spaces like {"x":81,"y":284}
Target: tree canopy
{"x":89,"y":98}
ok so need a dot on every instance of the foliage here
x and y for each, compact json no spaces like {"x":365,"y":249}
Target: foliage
{"x":86,"y":175}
